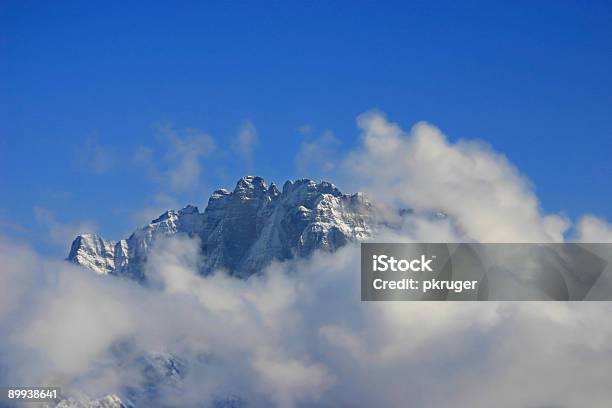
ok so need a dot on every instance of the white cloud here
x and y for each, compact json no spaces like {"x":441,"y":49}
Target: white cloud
{"x":180,"y":166}
{"x":593,"y":229}
{"x":184,"y":157}
{"x":290,"y":380}
{"x":318,"y":158}
{"x":245,"y":140}
{"x":478,"y":187}
{"x":296,"y":335}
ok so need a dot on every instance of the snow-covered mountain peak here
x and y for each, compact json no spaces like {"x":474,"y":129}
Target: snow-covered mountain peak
{"x":93,"y":252}
{"x":241,"y":231}
{"x":189,"y":209}
{"x":252,"y":184}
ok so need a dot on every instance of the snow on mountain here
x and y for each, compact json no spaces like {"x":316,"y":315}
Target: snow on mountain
{"x":156,"y":375}
{"x":242,"y":231}
{"x":109,"y":401}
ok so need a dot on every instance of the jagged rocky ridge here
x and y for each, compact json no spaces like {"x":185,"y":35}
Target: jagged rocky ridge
{"x":109,"y":401}
{"x":157,"y":375}
{"x":242,"y":231}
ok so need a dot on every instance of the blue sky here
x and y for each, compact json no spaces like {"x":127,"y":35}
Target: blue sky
{"x":94,"y":96}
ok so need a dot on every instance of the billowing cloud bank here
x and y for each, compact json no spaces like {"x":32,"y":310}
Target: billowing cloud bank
{"x":298,"y":335}
{"x":491,"y":199}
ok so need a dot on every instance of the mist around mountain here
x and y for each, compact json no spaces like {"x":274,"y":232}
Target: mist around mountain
{"x":161,"y":327}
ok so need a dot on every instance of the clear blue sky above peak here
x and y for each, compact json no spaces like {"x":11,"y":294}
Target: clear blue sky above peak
{"x":530,"y":78}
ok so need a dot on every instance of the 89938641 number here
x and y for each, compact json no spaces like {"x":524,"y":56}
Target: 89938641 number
{"x":30,"y":394}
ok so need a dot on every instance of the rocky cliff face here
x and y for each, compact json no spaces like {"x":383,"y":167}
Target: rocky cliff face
{"x":242,"y":231}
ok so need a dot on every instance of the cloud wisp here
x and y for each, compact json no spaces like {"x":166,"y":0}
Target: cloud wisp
{"x":319,"y":156}
{"x":60,"y":233}
{"x":181,"y":165}
{"x":245,"y":141}
{"x":94,"y":157}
